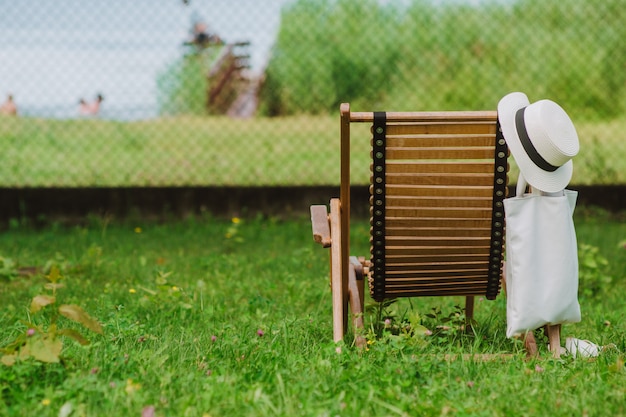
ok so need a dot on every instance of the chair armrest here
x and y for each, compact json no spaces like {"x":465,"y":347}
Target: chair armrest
{"x":320,"y":225}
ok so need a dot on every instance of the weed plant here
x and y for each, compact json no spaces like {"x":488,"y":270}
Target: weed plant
{"x":233,"y":318}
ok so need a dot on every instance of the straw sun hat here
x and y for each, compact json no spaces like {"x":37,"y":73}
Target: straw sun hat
{"x":542,"y":139}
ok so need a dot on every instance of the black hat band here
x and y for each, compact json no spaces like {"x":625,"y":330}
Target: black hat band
{"x":530,"y":149}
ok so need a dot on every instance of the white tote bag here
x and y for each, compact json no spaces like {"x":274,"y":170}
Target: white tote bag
{"x":541,"y":261}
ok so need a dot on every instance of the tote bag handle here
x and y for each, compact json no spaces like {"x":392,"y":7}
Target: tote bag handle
{"x":522,"y":184}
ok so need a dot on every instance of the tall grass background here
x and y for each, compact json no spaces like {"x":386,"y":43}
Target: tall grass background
{"x":301,"y":150}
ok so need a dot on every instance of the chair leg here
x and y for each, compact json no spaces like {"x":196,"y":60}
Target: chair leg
{"x":356,"y":288}
{"x":530,"y":344}
{"x":338,"y":284}
{"x":554,"y":337}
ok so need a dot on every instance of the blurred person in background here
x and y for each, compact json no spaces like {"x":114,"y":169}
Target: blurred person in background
{"x":90,"y":109}
{"x":9,"y":107}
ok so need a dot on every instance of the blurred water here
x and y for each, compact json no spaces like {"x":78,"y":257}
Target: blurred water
{"x":54,"y":52}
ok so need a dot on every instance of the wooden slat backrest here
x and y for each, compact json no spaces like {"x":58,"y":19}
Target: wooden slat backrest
{"x":437,"y":187}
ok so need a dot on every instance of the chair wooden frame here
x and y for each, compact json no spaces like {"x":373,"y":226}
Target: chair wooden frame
{"x":440,"y":178}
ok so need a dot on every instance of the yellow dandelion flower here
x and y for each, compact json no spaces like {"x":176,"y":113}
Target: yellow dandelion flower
{"x":131,"y":387}
{"x":45,"y":402}
{"x":175,"y":288}
{"x":236,"y":220}
{"x":132,"y":290}
{"x":138,"y":230}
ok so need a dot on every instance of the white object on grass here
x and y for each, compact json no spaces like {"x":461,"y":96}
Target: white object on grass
{"x":584,"y":348}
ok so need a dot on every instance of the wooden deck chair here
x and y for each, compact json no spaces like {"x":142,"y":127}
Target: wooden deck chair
{"x":437,"y":219}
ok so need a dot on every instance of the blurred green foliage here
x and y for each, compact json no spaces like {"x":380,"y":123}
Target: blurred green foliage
{"x":182,"y":86}
{"x":418,"y":55}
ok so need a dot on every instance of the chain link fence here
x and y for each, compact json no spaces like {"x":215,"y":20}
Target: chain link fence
{"x":220,"y":92}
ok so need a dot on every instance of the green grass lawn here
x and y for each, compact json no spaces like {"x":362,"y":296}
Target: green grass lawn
{"x":189,"y":151}
{"x":207,"y":317}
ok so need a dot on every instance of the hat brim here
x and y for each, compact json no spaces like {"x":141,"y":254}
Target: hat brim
{"x":538,"y":178}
